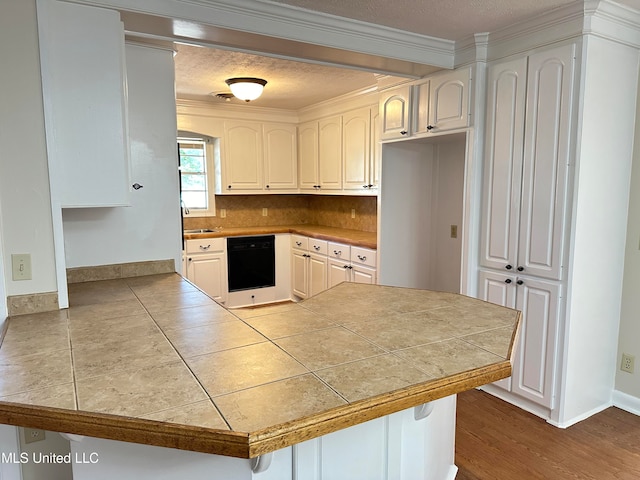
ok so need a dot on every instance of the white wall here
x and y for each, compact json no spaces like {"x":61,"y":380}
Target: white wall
{"x":150,"y":228}
{"x":629,"y":338}
{"x":24,"y":181}
{"x":605,"y":142}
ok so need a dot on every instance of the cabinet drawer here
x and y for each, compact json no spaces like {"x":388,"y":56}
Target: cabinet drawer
{"x":339,"y":250}
{"x":318,"y":246}
{"x":364,"y":256}
{"x":299,"y":242}
{"x":206,"y":245}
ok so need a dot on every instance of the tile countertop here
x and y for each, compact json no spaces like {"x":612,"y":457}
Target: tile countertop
{"x":153,"y":360}
{"x":333,"y":234}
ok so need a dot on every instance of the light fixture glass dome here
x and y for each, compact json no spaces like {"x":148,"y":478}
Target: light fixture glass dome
{"x":246,"y":88}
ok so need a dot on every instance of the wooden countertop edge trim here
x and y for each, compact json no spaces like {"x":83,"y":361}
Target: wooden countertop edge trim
{"x":237,"y":444}
{"x":266,"y":230}
{"x":127,"y":429}
{"x":307,"y":428}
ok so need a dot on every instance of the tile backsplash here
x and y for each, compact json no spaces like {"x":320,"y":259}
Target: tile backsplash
{"x":328,"y":210}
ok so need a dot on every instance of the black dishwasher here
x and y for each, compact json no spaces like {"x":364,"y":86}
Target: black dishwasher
{"x":251,"y":262}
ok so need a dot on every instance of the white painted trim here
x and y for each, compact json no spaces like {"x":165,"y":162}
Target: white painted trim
{"x":626,"y":402}
{"x":9,"y":445}
{"x":297,"y":24}
{"x":566,"y":423}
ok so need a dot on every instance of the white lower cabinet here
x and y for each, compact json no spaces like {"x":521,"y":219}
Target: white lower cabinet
{"x":317,"y":265}
{"x":535,"y":355}
{"x":350,"y":264}
{"x":308,"y":266}
{"x":206,"y":266}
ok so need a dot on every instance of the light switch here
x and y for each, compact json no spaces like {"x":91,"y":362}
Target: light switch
{"x":454,"y":231}
{"x":21,"y":266}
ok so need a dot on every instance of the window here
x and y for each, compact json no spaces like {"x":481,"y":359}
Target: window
{"x":196,"y":172}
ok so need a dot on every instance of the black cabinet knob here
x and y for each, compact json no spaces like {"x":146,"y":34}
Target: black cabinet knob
{"x":508,"y":280}
{"x":520,"y":282}
{"x":508,"y":267}
{"x":520,"y":269}
{"x":430,"y":127}
{"x":403,"y":132}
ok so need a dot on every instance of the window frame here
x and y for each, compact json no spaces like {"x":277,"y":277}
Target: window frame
{"x":209,"y":152}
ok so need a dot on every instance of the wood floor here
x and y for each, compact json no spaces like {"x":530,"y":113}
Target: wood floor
{"x":497,"y":441}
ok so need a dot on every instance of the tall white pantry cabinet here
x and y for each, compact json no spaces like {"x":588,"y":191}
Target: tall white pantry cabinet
{"x":556,"y":168}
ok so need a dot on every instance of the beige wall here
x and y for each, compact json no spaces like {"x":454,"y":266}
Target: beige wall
{"x":328,"y":210}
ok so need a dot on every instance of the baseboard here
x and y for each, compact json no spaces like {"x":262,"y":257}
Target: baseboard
{"x":581,"y":417}
{"x":626,"y":402}
{"x":32,"y":303}
{"x":119,"y":270}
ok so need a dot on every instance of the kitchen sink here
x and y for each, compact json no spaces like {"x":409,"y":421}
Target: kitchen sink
{"x":202,"y":230}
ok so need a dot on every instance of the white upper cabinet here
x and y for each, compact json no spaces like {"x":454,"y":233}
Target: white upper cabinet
{"x":243,"y":156}
{"x":433,"y":105}
{"x":526,"y":161}
{"x":395,"y":113}
{"x":340,"y":153}
{"x":308,"y":156}
{"x":448,"y":102}
{"x":280,"y":157}
{"x":258,"y":157}
{"x":84,"y":86}
{"x":330,"y":153}
{"x":356,"y":149}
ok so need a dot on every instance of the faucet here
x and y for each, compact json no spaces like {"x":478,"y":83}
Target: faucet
{"x":185,"y":210}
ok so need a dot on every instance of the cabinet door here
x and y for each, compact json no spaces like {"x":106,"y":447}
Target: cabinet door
{"x":362,"y":274}
{"x":356,"y":149}
{"x":317,"y":274}
{"x":421,"y":93}
{"x":376,"y":148}
{"x":395,"y":113}
{"x":330,"y":153}
{"x":500,"y":289}
{"x":299,"y":273}
{"x":209,"y":273}
{"x":308,"y":156}
{"x":449,"y":101}
{"x":546,"y":159}
{"x":243,"y":156}
{"x":534,"y":366}
{"x":506,"y":94}
{"x":83,"y":80}
{"x":280,"y":157}
{"x":338,"y":272}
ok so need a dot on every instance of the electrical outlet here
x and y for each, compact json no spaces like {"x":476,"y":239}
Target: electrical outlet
{"x":21,"y":266}
{"x":223,"y":213}
{"x":454,"y":231}
{"x":265,"y":212}
{"x":32,"y":435}
{"x":353,"y":213}
{"x":627,"y":363}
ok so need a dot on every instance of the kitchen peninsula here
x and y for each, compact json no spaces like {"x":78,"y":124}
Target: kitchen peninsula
{"x":359,"y":373}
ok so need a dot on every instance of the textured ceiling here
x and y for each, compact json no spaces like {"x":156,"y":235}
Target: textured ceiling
{"x":201,"y":72}
{"x":294,"y":85}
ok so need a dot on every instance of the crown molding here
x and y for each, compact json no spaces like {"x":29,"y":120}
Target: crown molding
{"x":190,"y":18}
{"x":612,"y":21}
{"x":204,"y":108}
{"x":603,"y":18}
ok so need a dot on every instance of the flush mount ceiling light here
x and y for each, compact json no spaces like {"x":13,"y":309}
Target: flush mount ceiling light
{"x":246,"y":88}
